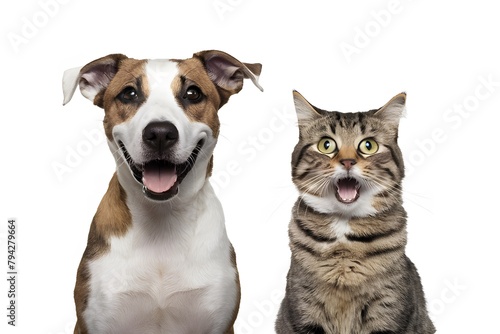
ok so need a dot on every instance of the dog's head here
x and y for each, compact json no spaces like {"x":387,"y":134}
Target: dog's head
{"x":161,"y":115}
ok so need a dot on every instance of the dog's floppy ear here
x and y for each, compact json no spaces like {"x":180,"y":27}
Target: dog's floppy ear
{"x":227,"y":72}
{"x":92,"y":78}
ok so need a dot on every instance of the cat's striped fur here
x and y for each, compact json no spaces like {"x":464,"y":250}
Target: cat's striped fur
{"x":349,"y":273}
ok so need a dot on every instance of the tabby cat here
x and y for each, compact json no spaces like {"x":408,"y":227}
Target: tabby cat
{"x":349,"y":273}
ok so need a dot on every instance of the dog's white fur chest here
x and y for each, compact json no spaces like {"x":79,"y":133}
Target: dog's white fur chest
{"x":171,"y":273}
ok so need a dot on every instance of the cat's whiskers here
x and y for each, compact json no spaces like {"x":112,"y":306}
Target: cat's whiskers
{"x":319,"y":182}
{"x":317,"y":185}
{"x":393,"y":190}
{"x":383,"y":183}
{"x":389,"y":193}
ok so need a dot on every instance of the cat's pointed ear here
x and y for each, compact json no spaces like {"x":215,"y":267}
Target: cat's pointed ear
{"x":393,"y":110}
{"x":305,"y":111}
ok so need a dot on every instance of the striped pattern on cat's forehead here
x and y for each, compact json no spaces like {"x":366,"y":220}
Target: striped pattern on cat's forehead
{"x":351,"y":121}
{"x":349,"y":126}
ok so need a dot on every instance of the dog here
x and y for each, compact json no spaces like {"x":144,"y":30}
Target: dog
{"x":158,"y":259}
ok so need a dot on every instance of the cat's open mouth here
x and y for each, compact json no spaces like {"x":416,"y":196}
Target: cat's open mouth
{"x":347,"y":190}
{"x":160,"y":179}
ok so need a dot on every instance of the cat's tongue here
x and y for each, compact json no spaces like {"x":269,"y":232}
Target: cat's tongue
{"x":347,"y":190}
{"x":158,"y":176}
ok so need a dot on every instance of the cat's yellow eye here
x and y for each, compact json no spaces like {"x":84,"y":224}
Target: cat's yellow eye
{"x":368,"y":146}
{"x":327,"y":145}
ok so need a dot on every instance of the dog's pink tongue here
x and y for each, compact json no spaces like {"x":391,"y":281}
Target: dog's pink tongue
{"x":159,"y":177}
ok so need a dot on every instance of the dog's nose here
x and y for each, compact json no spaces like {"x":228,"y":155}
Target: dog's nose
{"x":160,"y":135}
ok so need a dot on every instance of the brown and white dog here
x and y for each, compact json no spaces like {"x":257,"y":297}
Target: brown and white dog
{"x":158,"y":259}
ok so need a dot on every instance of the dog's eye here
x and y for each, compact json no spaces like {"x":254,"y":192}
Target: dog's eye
{"x":193,"y":94}
{"x":129,"y":94}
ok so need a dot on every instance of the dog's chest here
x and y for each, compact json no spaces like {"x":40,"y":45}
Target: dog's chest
{"x":183,"y":284}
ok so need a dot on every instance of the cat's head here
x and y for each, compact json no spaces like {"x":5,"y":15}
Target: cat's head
{"x":349,"y":163}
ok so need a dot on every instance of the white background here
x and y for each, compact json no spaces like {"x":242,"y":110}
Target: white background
{"x":340,"y":55}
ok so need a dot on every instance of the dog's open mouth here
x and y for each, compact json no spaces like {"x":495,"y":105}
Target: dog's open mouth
{"x":160,"y":179}
{"x":348,"y":190}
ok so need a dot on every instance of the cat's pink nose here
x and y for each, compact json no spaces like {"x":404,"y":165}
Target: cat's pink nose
{"x":348,"y":163}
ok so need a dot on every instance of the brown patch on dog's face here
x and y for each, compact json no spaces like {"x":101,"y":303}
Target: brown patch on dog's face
{"x":128,"y":90}
{"x":197,"y":94}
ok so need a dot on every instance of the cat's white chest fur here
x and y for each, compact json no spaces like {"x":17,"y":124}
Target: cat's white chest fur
{"x":340,"y":227}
